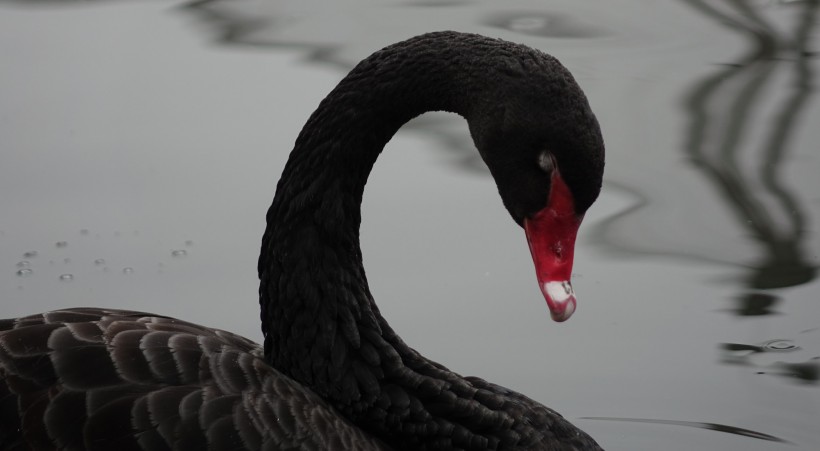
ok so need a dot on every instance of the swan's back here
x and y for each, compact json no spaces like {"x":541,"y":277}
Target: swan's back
{"x":88,"y":378}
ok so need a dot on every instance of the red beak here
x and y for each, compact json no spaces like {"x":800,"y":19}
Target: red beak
{"x":551,"y":235}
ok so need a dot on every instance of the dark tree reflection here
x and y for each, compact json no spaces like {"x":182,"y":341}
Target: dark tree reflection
{"x":743,"y":157}
{"x":722,"y":109}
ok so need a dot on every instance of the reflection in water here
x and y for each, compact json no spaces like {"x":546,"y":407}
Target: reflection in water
{"x":737,"y":353}
{"x":546,"y":24}
{"x":304,"y":25}
{"x":300,"y":26}
{"x":743,"y":118}
{"x":756,"y":304}
{"x":699,"y":425}
{"x":723,"y":108}
{"x":807,"y":372}
{"x":722,"y":132}
{"x":244,"y":23}
{"x":753,"y":356}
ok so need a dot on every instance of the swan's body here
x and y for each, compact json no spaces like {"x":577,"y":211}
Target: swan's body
{"x":333,"y":374}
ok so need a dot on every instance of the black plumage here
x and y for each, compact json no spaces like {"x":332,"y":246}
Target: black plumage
{"x":99,"y":379}
{"x":332,"y":373}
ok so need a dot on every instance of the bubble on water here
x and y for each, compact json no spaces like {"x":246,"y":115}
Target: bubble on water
{"x":179,"y":253}
{"x":128,"y":270}
{"x":779,"y":346}
{"x":61,"y":244}
{"x":66,"y":277}
{"x":23,"y":264}
{"x":30,"y":254}
{"x":25,"y":272}
{"x":99,"y":262}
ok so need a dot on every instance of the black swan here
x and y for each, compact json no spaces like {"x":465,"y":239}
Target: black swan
{"x":332,"y":373}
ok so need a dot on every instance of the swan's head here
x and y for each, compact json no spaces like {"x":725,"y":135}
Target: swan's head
{"x":543,"y":146}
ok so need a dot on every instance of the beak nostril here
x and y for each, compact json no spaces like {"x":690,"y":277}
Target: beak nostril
{"x":558,"y":250}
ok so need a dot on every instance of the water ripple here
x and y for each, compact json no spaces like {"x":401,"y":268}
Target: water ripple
{"x":700,"y":425}
{"x":544,"y":24}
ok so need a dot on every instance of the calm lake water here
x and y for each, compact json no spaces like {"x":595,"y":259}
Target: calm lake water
{"x":141,"y":144}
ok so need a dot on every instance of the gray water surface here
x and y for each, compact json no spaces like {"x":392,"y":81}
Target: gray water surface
{"x":141,"y":144}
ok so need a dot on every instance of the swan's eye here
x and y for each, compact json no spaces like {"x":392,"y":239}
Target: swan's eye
{"x":546,"y":162}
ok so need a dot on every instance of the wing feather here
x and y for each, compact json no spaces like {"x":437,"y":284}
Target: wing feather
{"x":95,"y":379}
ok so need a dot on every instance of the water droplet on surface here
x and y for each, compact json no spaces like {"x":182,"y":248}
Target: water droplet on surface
{"x":23,"y":264}
{"x":30,"y":254}
{"x":66,"y":277}
{"x":179,"y":253}
{"x":99,"y":261}
{"x":61,"y":244}
{"x":127,"y":270}
{"x":25,"y":272}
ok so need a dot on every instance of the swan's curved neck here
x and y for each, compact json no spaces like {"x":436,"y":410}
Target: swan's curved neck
{"x":321,"y":325}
